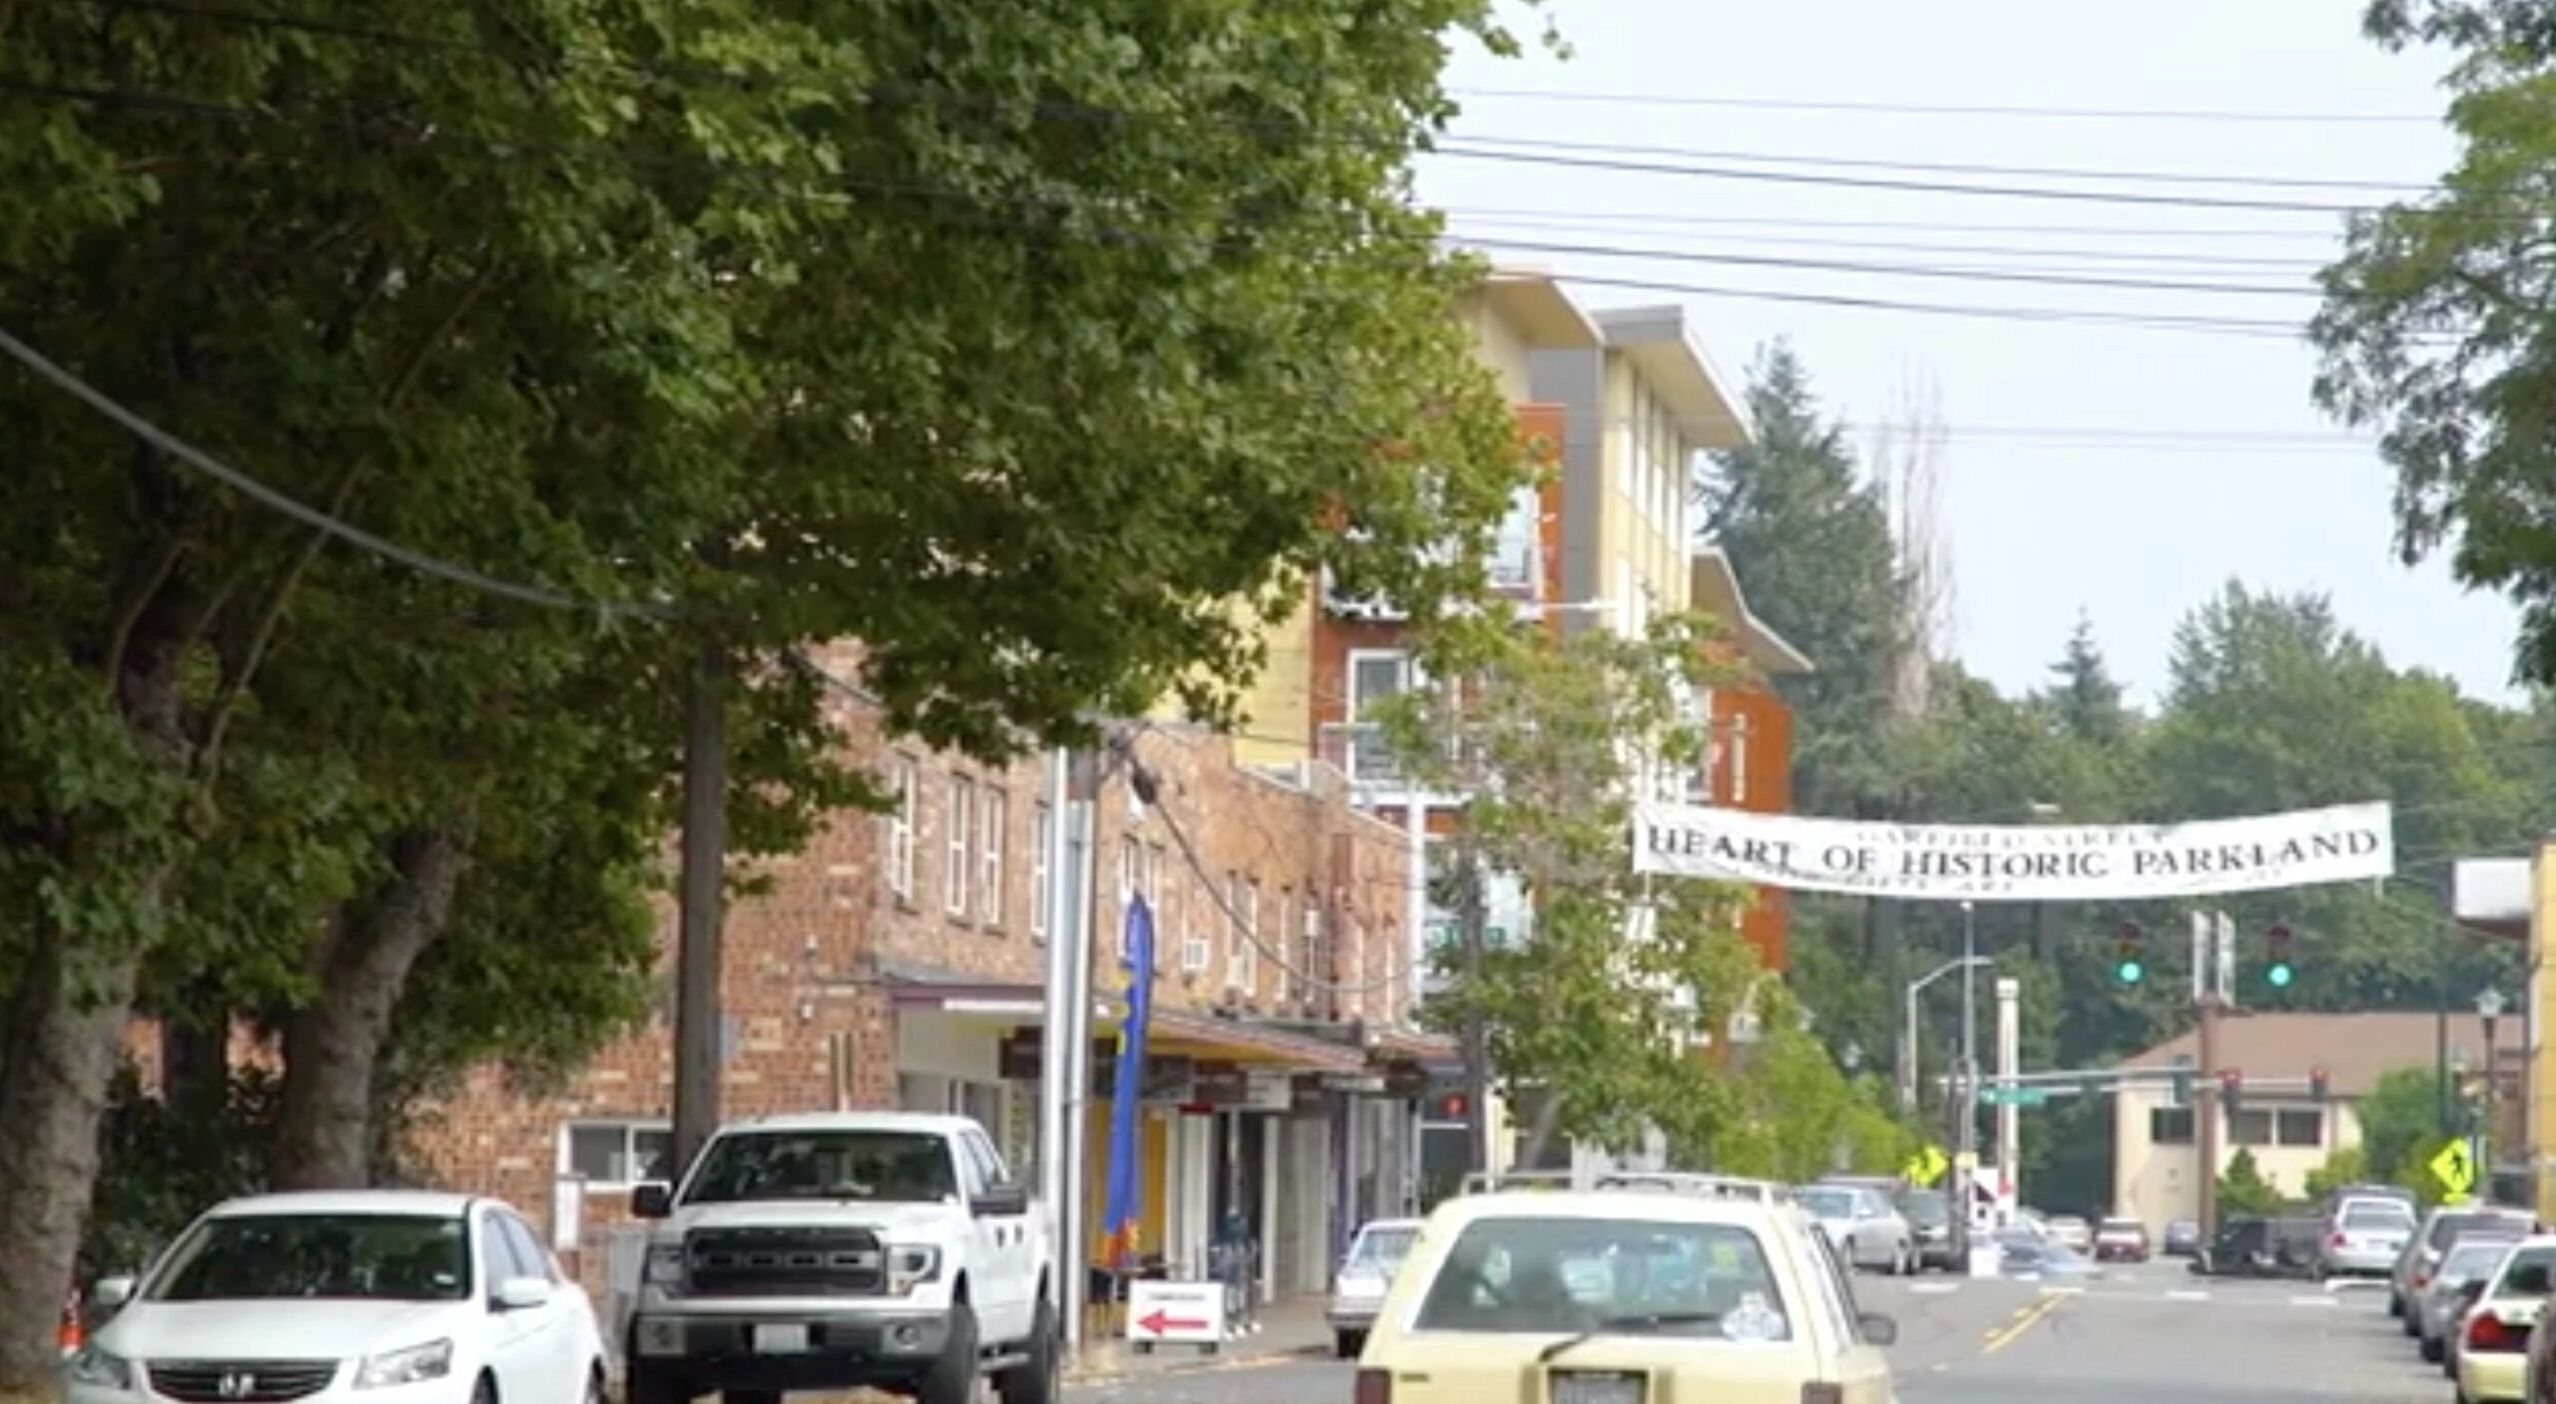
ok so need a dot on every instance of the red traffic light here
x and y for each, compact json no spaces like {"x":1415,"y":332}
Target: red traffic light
{"x":2318,"y":1083}
{"x":1451,"y":1107}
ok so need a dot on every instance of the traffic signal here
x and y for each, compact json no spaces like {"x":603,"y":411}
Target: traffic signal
{"x":2318,"y":1085}
{"x":2130,"y":961}
{"x":2231,"y":1088}
{"x":1448,"y":1106}
{"x":2276,"y":966}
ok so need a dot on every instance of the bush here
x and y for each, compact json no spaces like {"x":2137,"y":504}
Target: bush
{"x":2243,"y":1190}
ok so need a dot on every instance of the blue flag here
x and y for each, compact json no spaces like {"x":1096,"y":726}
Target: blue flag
{"x":1123,"y":1204}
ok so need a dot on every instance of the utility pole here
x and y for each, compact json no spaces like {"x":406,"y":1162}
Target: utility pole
{"x":1471,"y":920}
{"x":1965,"y":1165}
{"x":1067,"y":965}
{"x":2213,"y":947}
{"x":705,"y":860}
{"x":2009,"y":1062}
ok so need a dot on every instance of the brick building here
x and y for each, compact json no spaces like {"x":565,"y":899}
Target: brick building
{"x":898,"y":961}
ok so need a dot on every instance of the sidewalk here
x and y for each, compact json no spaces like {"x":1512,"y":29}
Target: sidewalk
{"x":1287,"y":1330}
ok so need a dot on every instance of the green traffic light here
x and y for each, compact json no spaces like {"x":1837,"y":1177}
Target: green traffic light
{"x":2279,"y":976}
{"x":2130,"y":971}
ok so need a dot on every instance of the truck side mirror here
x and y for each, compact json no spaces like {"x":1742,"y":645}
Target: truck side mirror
{"x":651,"y":1201}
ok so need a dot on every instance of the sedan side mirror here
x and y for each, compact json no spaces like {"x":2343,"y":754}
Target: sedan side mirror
{"x":1877,"y":1329}
{"x":521,"y":1294}
{"x":111,"y":1292}
{"x":651,"y":1201}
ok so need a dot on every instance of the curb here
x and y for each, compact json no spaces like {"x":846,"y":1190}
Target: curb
{"x":1204,"y":1365}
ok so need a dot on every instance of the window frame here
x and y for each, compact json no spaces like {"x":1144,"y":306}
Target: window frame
{"x":993,"y":814}
{"x":1042,"y":913}
{"x":958,"y":823}
{"x":630,"y":1128}
{"x":2157,"y":1137}
{"x":900,"y":824}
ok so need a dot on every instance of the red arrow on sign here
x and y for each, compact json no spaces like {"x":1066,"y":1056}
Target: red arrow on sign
{"x":1157,"y":1323}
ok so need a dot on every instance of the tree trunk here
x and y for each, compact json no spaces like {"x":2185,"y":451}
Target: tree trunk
{"x":66,"y":1035}
{"x":324,"y":1138}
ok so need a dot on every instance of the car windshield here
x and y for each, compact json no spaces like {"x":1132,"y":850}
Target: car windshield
{"x":1539,"y":1275}
{"x":905,"y":1167}
{"x":306,"y":1257}
{"x":1827,"y":1203}
{"x":2377,"y":1214}
{"x":2447,"y":1228}
{"x":1925,"y":1209}
{"x":2525,"y":1267}
{"x":2471,"y":1258}
{"x":1383,"y":1248}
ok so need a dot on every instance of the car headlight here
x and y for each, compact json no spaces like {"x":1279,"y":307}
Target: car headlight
{"x":909,"y":1265}
{"x":431,"y":1361}
{"x":92,"y":1366}
{"x":1360,"y":1284}
{"x":665,"y":1265}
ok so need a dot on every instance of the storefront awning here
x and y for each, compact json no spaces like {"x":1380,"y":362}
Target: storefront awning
{"x":1185,"y":1032}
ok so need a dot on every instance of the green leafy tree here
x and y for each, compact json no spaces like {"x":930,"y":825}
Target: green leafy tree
{"x":2347,"y":1166}
{"x":2433,"y":329}
{"x":2244,"y":1190}
{"x":1017,"y":344}
{"x":1794,"y":1115}
{"x":2400,"y":1123}
{"x":1598,"y":1016}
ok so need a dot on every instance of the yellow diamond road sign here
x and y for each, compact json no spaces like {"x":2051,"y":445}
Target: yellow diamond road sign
{"x":2455,"y":1168}
{"x":1926,"y":1166}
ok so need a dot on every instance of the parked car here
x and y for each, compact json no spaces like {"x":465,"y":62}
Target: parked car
{"x":1574,"y":1293}
{"x":833,"y":1250}
{"x":2472,"y":1259}
{"x":1862,"y":1226}
{"x":1366,"y":1271}
{"x":2121,"y":1241}
{"x":2363,"y":1237}
{"x":2243,"y":1247}
{"x":2037,"y":1257}
{"x":426,"y":1297}
{"x":1929,"y":1215}
{"x":2492,"y":1362}
{"x":2072,"y":1233}
{"x":2422,"y":1254}
{"x":2182,"y":1238}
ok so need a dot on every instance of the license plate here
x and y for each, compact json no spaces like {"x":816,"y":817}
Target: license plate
{"x":1595,"y":1387}
{"x":781,"y":1340}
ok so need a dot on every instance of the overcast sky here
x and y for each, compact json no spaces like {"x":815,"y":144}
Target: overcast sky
{"x":2119,"y":470}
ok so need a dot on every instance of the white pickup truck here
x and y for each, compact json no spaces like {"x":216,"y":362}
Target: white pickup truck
{"x":837,"y":1250}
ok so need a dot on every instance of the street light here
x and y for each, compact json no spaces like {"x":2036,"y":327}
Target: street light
{"x":1908,"y":1087}
{"x":2489,"y":1007}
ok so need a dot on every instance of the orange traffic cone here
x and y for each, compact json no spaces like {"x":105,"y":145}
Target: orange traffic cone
{"x":72,"y":1336}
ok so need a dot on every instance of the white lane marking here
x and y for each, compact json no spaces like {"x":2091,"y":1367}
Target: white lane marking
{"x":2063,"y":1291}
{"x":2314,"y":1302}
{"x":2186,"y":1294}
{"x":1933,"y":1289}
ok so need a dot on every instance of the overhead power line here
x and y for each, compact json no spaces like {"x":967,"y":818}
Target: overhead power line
{"x":302,"y":512}
{"x":1935,"y":226}
{"x":2158,"y":257}
{"x":2301,"y":288}
{"x":1921,"y":109}
{"x":2093,"y":173}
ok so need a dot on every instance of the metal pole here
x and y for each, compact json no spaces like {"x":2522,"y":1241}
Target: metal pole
{"x":1078,"y":927}
{"x":2205,"y":1114}
{"x":704,"y":863}
{"x":1967,"y":1131}
{"x":1056,"y":1180}
{"x":2440,"y":1027}
{"x":2009,"y":1061}
{"x":1908,"y":1070}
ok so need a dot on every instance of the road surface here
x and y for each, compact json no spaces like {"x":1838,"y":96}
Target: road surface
{"x":2149,"y":1334}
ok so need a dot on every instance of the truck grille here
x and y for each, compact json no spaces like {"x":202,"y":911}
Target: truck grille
{"x":784,"y":1261}
{"x":241,"y":1381}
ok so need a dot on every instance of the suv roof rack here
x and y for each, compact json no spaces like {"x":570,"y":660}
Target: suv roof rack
{"x":1655,"y":1181}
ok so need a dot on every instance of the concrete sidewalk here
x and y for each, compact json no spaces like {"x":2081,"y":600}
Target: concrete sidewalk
{"x":1286,"y":1330}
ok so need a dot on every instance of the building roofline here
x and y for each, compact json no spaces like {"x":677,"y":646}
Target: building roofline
{"x":1661,"y":342}
{"x":1769,"y":650}
{"x":1533,"y":301}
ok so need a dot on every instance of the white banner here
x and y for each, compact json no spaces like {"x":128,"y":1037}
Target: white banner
{"x":2016,"y":863}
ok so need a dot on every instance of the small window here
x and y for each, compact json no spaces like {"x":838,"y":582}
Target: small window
{"x":2250,"y":1127}
{"x":2170,"y":1126}
{"x":2301,"y":1126}
{"x":992,"y":886}
{"x":900,"y":828}
{"x":1131,"y":881}
{"x":956,"y":827}
{"x":614,"y":1153}
{"x":1042,"y":900}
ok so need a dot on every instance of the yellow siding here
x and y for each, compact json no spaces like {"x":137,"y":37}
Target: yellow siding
{"x":2542,"y":1077}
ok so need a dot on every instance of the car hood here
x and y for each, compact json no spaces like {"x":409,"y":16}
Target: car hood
{"x":887,"y":1220}
{"x":297,"y":1328}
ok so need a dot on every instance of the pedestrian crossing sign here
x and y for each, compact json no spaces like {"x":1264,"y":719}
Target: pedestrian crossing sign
{"x":1925,"y":1166}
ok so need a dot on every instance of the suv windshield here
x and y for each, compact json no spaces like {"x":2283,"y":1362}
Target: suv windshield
{"x":895,"y":1166}
{"x":1827,"y":1203}
{"x":1383,"y":1248}
{"x":1545,"y":1275}
{"x":306,"y":1257}
{"x":2377,"y":1214}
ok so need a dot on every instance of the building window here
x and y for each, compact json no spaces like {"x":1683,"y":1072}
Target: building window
{"x":1285,"y":956}
{"x":1243,"y":894}
{"x":1042,"y":899}
{"x":2170,"y":1126}
{"x":1739,"y":760}
{"x":1164,"y":924}
{"x":956,"y":826}
{"x":612,"y":1153}
{"x":900,"y":829}
{"x":2250,"y":1127}
{"x":1131,"y":881}
{"x":2300,"y":1126}
{"x":993,"y":885}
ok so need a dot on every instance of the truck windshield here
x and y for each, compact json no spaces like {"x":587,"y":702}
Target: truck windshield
{"x":897,"y":1166}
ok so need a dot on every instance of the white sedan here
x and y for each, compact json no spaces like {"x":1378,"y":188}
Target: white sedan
{"x":383,"y":1297}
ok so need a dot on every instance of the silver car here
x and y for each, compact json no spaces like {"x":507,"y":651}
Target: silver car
{"x":1366,"y":1270}
{"x":2441,"y":1227}
{"x":2364,"y":1238}
{"x":1861,"y":1223}
{"x":2473,"y":1257}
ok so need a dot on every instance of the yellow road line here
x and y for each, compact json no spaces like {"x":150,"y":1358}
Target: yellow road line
{"x":2005,"y":1336}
